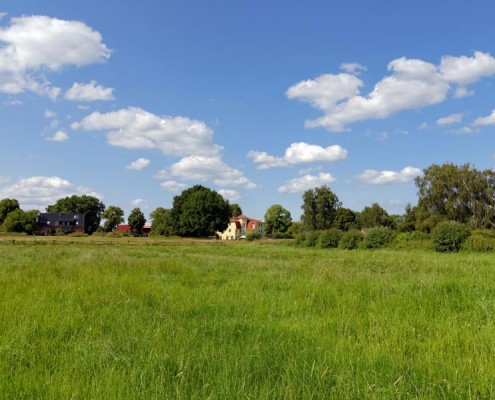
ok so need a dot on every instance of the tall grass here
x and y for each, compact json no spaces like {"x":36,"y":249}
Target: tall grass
{"x":244,"y":321}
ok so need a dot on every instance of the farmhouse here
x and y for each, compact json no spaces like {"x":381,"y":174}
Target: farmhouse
{"x":240,"y":226}
{"x":60,"y":222}
{"x":127,"y":228}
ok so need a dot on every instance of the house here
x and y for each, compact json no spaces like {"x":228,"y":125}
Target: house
{"x":127,"y":228}
{"x":240,"y":226}
{"x":60,"y":222}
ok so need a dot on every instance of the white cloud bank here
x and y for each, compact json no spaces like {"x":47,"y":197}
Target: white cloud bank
{"x":298,"y":153}
{"x":33,"y":45}
{"x":89,"y":92}
{"x":306,"y":182}
{"x":37,"y":192}
{"x":135,"y":128}
{"x":140,"y":163}
{"x":374,"y":177}
{"x":412,"y":84}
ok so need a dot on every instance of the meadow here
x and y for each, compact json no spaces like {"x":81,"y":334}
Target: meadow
{"x":81,"y":320}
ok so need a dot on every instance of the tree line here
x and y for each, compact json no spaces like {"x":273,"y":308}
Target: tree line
{"x":446,"y":192}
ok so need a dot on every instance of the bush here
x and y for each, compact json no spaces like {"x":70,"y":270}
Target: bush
{"x":329,"y":238}
{"x":448,"y":236}
{"x":482,"y":240}
{"x":378,"y":237}
{"x":350,"y":240}
{"x":253,"y":236}
{"x":311,"y":238}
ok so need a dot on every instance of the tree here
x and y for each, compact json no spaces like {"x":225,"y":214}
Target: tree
{"x":235,"y":210}
{"x":161,"y":222}
{"x":6,"y":207}
{"x":345,"y":219}
{"x":319,"y":208}
{"x":136,"y":220}
{"x":199,"y":212}
{"x":114,"y":216}
{"x":92,"y":207}
{"x":277,"y":220}
{"x":375,"y":216}
{"x":20,"y":221}
{"x":457,"y":193}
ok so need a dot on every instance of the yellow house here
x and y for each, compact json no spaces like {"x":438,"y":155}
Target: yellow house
{"x":240,"y":226}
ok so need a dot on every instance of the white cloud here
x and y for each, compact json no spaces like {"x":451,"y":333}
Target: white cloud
{"x":2,"y":14}
{"x":4,"y":179}
{"x":204,"y":168}
{"x":89,"y":92}
{"x":173,"y":186}
{"x":59,"y":136}
{"x":462,"y":91}
{"x":374,"y":177}
{"x":134,"y":128}
{"x":464,"y":130}
{"x":353,"y":68}
{"x":451,"y":119}
{"x":37,"y":192}
{"x":230,"y":195}
{"x":140,"y":163}
{"x":306,"y":182}
{"x":298,"y":153}
{"x":412,"y":84}
{"x":382,"y":136}
{"x":141,"y":203}
{"x":50,"y":114}
{"x":424,"y":125}
{"x":482,"y":121}
{"x":33,"y":45}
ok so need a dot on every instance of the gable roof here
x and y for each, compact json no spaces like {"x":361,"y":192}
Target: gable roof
{"x":54,"y":219}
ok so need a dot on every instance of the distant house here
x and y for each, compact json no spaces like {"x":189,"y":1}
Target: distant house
{"x":127,"y":228}
{"x":240,"y":226}
{"x":60,"y":222}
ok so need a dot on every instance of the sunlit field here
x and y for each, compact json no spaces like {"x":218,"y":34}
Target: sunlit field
{"x":185,"y":320}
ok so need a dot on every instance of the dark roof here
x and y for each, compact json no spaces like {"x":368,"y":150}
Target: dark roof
{"x":54,"y":219}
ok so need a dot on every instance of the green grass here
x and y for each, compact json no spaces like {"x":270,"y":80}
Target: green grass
{"x":244,"y":321}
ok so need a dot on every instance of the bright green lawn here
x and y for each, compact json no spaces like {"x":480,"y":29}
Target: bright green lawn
{"x":244,"y":321}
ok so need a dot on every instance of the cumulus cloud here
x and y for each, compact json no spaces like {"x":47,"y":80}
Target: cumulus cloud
{"x":205,"y":168}
{"x":374,"y":177}
{"x":135,"y":128}
{"x":230,"y":195}
{"x":37,"y":192}
{"x":353,"y":68}
{"x":173,"y":186}
{"x":141,"y":203}
{"x":451,"y":119}
{"x":306,"y":182}
{"x":140,"y":163}
{"x":412,"y":84}
{"x":33,"y":45}
{"x":59,"y":136}
{"x":482,"y":121}
{"x":89,"y":92}
{"x":298,"y":153}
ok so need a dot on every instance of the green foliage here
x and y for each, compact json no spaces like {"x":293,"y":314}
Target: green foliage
{"x":277,"y":220}
{"x":295,"y":229}
{"x":200,"y":212}
{"x":449,"y":236}
{"x":345,"y":219}
{"x":374,"y":216}
{"x":114,"y":216}
{"x":136,"y":220}
{"x":457,"y":193}
{"x":161,"y":222}
{"x":20,"y":221}
{"x":92,"y":207}
{"x":311,"y":238}
{"x":235,"y":210}
{"x":319,"y":208}
{"x":6,"y":207}
{"x":329,"y":238}
{"x":378,"y":237}
{"x":350,"y":240}
{"x":480,"y":240}
{"x":251,"y":236}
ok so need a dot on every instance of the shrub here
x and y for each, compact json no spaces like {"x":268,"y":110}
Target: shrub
{"x":448,"y":236}
{"x":329,"y":238}
{"x":311,"y":238}
{"x":378,"y":237}
{"x":300,"y":238}
{"x":253,"y":236}
{"x":480,"y":240}
{"x":350,"y":240}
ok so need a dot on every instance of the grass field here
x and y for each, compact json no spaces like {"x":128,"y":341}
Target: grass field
{"x":244,"y":321}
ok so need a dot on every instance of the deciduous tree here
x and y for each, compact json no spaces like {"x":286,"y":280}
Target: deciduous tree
{"x":114,"y":216}
{"x":136,"y":220}
{"x":319,"y":208}
{"x":277,"y":220}
{"x":6,"y":207}
{"x":161,"y":222}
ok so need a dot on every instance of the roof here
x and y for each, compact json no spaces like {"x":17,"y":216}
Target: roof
{"x":54,"y":219}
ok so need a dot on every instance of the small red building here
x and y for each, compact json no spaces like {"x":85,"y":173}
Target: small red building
{"x":127,"y":228}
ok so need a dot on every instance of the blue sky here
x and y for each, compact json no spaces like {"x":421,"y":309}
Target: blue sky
{"x":134,"y":101}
